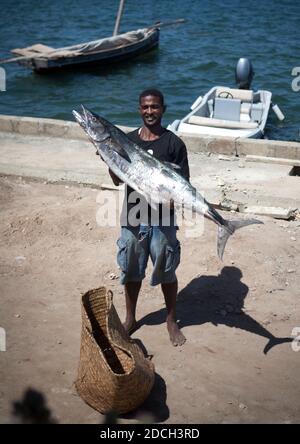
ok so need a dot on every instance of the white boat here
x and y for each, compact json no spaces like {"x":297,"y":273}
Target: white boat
{"x":230,"y":112}
{"x":227,"y":112}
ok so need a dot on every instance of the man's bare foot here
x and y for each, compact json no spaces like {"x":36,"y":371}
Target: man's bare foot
{"x":130,"y":326}
{"x":176,"y":337}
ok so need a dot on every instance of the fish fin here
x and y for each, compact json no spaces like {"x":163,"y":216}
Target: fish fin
{"x":224,"y":231}
{"x":172,"y":165}
{"x":121,"y":152}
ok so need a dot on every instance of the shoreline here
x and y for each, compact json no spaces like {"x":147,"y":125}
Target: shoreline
{"x":219,"y":145}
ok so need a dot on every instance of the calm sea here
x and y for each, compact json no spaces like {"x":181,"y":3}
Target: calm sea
{"x":191,"y":58}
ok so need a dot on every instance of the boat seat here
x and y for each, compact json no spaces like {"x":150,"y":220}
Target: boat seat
{"x":227,"y":109}
{"x":245,"y":95}
{"x":219,"y":123}
{"x":257,"y":110}
{"x":236,"y":105}
{"x":245,"y":112}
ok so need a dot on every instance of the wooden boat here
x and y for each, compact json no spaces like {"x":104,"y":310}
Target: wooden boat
{"x":42,"y":58}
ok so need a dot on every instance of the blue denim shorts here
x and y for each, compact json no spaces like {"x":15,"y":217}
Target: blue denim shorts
{"x":136,"y":244}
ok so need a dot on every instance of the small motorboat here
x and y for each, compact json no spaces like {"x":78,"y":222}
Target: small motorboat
{"x":231,"y":112}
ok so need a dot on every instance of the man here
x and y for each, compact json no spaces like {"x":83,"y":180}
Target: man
{"x":140,"y":236}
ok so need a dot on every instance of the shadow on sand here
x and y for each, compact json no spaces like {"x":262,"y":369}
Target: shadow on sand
{"x":154,"y":408}
{"x":219,"y":300}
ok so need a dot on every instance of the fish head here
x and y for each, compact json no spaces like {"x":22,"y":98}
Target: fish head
{"x":79,"y":118}
{"x":92,"y":124}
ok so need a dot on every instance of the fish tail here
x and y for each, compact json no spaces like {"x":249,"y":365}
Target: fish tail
{"x":229,"y":227}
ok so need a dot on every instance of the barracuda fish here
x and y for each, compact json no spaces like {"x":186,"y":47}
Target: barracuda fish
{"x":158,"y":181}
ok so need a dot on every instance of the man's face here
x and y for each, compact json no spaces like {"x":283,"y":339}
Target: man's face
{"x":151,"y":110}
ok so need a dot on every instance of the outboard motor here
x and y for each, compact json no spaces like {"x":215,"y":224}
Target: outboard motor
{"x":244,"y":73}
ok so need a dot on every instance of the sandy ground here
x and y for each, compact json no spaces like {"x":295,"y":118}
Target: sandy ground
{"x":52,"y":250}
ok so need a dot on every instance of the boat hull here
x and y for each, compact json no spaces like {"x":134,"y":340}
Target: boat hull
{"x":101,"y":58}
{"x":219,"y":132}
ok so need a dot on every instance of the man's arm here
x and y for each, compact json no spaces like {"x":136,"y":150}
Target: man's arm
{"x":181,"y":159}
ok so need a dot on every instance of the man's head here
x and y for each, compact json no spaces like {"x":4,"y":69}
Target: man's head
{"x":152,"y":107}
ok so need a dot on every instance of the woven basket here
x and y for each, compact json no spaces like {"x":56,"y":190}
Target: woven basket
{"x":113,"y":373}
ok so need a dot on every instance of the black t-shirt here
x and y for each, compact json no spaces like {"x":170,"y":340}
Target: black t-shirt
{"x":168,"y":147}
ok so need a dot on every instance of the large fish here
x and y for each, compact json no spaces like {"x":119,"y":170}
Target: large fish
{"x":158,"y":181}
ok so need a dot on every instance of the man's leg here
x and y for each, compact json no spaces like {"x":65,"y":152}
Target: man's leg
{"x":165,"y":255}
{"x":170,"y":294}
{"x":132,"y":290}
{"x":132,"y":259}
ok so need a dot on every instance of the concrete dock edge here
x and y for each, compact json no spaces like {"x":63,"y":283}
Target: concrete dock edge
{"x":221,"y":145}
